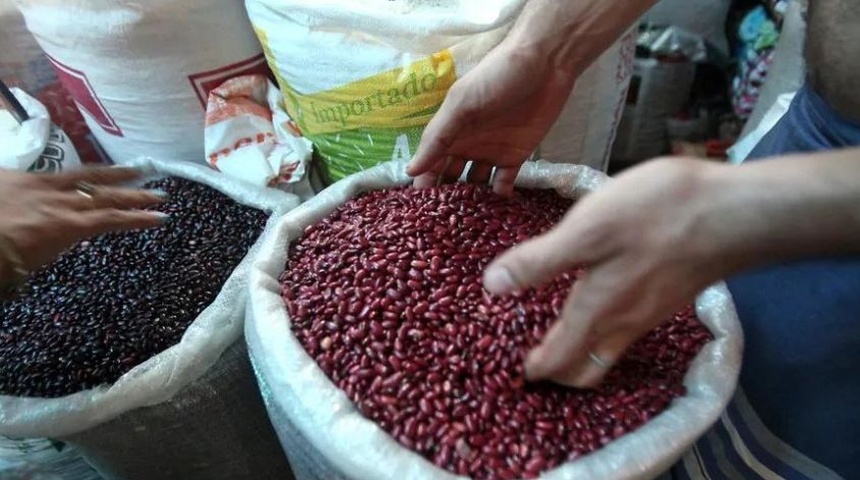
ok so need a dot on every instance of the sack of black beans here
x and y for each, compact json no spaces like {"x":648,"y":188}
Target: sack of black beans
{"x":129,"y":346}
{"x":380,"y":356}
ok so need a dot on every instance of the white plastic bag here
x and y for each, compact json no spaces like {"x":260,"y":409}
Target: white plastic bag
{"x":36,"y":145}
{"x":250,"y":136}
{"x":140,"y":72}
{"x":327,"y":438}
{"x":148,"y":424}
{"x":363,"y":79}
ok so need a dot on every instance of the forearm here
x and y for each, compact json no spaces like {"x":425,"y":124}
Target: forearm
{"x":573,"y":33}
{"x":771,"y":211}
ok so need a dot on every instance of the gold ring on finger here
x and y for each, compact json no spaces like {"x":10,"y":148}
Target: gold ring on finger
{"x":85,"y":189}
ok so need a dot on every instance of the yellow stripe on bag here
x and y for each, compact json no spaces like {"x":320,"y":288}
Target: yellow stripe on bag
{"x":399,"y":98}
{"x":270,"y":57}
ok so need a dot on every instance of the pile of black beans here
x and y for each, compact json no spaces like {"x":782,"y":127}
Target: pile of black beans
{"x":112,"y":302}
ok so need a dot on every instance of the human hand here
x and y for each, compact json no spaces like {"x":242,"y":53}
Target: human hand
{"x":650,"y":243}
{"x":42,"y":215}
{"x":495,"y":116}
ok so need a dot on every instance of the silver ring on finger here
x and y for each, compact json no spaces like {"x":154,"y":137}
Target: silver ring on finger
{"x":599,"y":361}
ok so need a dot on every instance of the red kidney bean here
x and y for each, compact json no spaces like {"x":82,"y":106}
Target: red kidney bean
{"x":443,"y":357}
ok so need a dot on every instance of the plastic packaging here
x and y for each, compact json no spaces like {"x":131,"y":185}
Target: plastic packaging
{"x":36,"y":145}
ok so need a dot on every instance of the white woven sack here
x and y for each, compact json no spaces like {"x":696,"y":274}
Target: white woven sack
{"x":327,"y":438}
{"x":140,"y":72}
{"x":363,"y":79}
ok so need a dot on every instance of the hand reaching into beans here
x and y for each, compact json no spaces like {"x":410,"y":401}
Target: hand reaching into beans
{"x":498,"y":113}
{"x":42,"y":215}
{"x":494,"y":116}
{"x":656,"y":236}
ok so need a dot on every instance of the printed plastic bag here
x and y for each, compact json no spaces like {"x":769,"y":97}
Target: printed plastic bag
{"x":327,"y":438}
{"x":37,"y":145}
{"x":24,"y":65}
{"x":363,"y":79}
{"x":250,"y":136}
{"x":190,"y":412}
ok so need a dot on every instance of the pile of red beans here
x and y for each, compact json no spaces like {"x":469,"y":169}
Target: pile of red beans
{"x":386,"y":295}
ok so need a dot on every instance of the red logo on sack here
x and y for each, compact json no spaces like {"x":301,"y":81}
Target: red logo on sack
{"x":204,"y":82}
{"x":79,"y":87}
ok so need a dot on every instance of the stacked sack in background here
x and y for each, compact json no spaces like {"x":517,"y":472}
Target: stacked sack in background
{"x":24,"y":65}
{"x":362,"y":79}
{"x":137,"y":360}
{"x":140,"y":72}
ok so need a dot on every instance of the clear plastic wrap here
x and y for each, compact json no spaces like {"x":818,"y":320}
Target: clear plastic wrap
{"x":326,"y":437}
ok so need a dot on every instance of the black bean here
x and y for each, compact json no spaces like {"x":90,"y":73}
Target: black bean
{"x":114,"y":301}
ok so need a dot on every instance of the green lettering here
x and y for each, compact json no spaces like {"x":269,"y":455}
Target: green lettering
{"x":328,"y":115}
{"x":343,"y":113}
{"x":413,"y":84}
{"x":424,"y":86}
{"x":360,"y":104}
{"x":394,"y":97}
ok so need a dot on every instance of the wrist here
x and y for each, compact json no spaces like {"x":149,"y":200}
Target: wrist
{"x":573,"y":33}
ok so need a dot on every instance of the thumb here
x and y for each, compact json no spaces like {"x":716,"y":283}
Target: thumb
{"x":535,"y":261}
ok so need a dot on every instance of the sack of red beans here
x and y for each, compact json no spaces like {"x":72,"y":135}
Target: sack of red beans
{"x":381,"y":356}
{"x":129,"y":347}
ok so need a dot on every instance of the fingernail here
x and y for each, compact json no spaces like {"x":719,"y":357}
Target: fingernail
{"x":499,"y":280}
{"x":163,"y":217}
{"x":159,"y":193}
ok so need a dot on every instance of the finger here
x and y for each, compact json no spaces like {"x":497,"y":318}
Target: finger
{"x":96,"y":222}
{"x":109,"y":197}
{"x":503,"y":180}
{"x":562,"y":350}
{"x":439,"y":135}
{"x":480,"y":172}
{"x":426,"y":180}
{"x":539,"y":259}
{"x":453,"y":169}
{"x":95,"y":176}
{"x":584,"y":368}
{"x":581,"y":347}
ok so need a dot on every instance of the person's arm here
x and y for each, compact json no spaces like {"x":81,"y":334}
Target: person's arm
{"x":498,"y":113}
{"x":573,"y":33}
{"x":659,"y":234}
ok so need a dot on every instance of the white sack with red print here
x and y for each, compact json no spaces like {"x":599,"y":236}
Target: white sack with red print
{"x":141,"y":71}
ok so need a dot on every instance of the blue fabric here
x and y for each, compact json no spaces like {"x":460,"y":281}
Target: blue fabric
{"x":801,"y":320}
